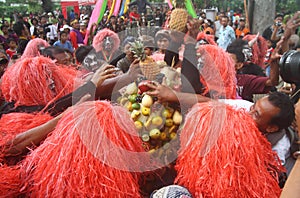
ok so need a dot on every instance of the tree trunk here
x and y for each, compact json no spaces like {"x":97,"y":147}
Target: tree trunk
{"x":262,"y":14}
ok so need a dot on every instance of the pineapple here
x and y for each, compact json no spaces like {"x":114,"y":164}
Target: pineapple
{"x":178,"y":20}
{"x":148,"y":66}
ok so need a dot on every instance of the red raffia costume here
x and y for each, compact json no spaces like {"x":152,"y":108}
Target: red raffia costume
{"x":207,"y":37}
{"x":10,"y":181}
{"x":27,"y":83}
{"x":33,"y":48}
{"x":223,"y":154}
{"x":11,"y":125}
{"x":259,"y":49}
{"x":217,"y":72}
{"x":101,"y":35}
{"x":87,"y":155}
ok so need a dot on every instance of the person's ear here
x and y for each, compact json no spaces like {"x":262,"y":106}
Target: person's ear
{"x":238,"y":66}
{"x":272,"y":128}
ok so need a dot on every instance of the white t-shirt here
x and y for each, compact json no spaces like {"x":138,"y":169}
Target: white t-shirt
{"x":238,"y":103}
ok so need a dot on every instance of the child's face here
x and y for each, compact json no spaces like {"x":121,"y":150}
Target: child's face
{"x":148,"y":51}
{"x":5,"y":30}
{"x":64,"y":37}
{"x":12,"y":44}
{"x":163,"y":43}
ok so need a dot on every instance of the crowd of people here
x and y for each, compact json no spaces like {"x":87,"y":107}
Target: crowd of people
{"x":58,"y":108}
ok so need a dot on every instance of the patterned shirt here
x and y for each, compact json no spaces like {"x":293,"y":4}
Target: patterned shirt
{"x":226,"y":36}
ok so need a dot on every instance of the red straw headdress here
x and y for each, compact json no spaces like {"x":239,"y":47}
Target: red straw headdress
{"x":87,"y":155}
{"x":259,"y":49}
{"x":99,"y":38}
{"x":223,"y":154}
{"x":36,"y":81}
{"x":10,"y":181}
{"x":11,"y":125}
{"x":217,"y":72}
{"x":14,"y":123}
{"x":33,"y":47}
{"x":207,"y":37}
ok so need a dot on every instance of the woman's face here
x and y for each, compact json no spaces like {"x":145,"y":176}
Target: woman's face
{"x":163,"y":43}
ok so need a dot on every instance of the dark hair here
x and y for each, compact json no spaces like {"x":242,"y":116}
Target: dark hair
{"x":226,"y":17}
{"x":162,"y":34}
{"x":4,"y":26}
{"x":34,"y":19}
{"x":10,"y":40}
{"x":82,"y":52}
{"x":279,"y":15}
{"x":60,"y":16}
{"x":18,"y":27}
{"x":210,"y":23}
{"x":51,"y":51}
{"x":64,"y":32}
{"x":20,"y":17}
{"x":287,"y":111}
{"x":236,"y":48}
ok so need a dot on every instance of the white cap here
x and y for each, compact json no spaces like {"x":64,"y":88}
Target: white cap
{"x":65,"y":27}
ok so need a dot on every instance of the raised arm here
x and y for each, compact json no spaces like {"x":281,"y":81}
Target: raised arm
{"x":106,"y":89}
{"x":274,"y":65}
{"x":290,"y":29}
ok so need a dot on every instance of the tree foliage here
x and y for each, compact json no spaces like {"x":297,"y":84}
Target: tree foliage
{"x":221,"y":5}
{"x":286,"y":6}
{"x":19,"y":6}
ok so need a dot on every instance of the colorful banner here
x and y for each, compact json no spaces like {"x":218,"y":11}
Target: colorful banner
{"x":126,"y":6}
{"x":170,"y":4}
{"x":96,"y":16}
{"x":117,"y":7}
{"x":190,"y":8}
{"x":111,"y":9}
{"x":122,"y":8}
{"x":102,"y":11}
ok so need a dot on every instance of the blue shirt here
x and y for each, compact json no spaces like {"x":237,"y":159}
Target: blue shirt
{"x":226,"y":36}
{"x":66,"y":45}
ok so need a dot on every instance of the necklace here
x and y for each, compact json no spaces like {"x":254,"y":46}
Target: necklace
{"x":106,"y":58}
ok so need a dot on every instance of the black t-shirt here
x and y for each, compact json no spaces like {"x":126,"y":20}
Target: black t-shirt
{"x":190,"y":75}
{"x":267,"y":34}
{"x":252,"y":69}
